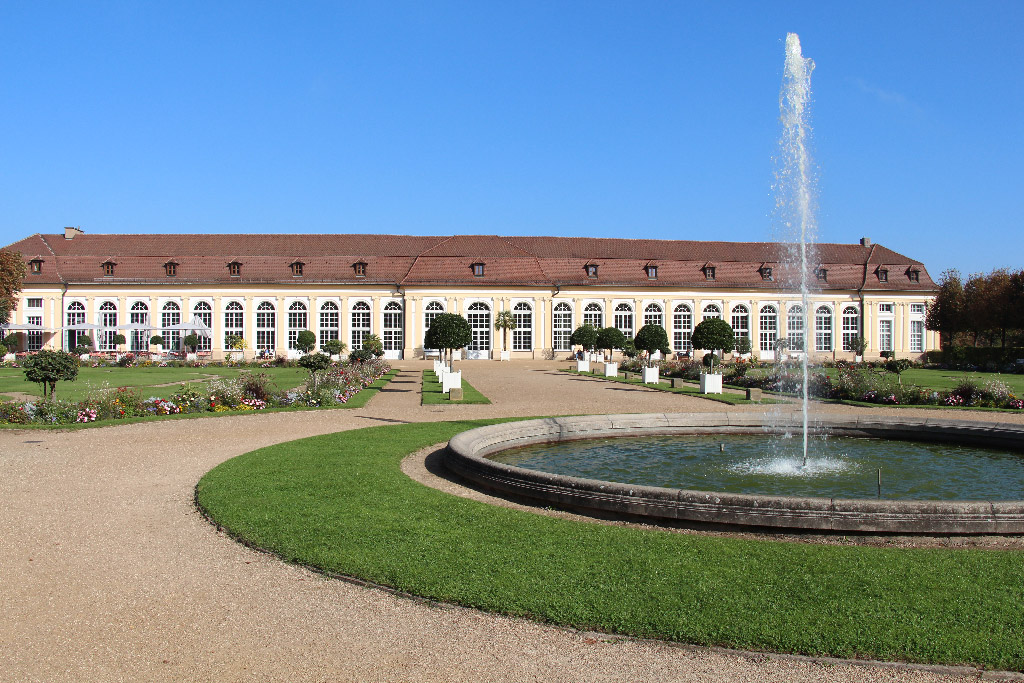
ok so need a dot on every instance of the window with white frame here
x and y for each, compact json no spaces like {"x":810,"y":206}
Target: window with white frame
{"x":885,"y":308}
{"x":885,"y":335}
{"x":360,"y":323}
{"x":917,"y":309}
{"x":561,"y":326}
{"x":740,"y":322}
{"x":768,"y":324}
{"x":433,"y":309}
{"x":479,"y":318}
{"x":108,"y":321}
{"x":851,"y":327}
{"x":298,"y":320}
{"x":593,"y":315}
{"x":234,"y":322}
{"x":170,"y":315}
{"x":34,"y":338}
{"x":203,"y":312}
{"x":391,"y":332}
{"x":823,"y":329}
{"x":624,"y":319}
{"x":266,"y":328}
{"x":682,"y":329}
{"x":34,"y":303}
{"x":795,"y":328}
{"x":522,"y":336}
{"x":138,"y":314}
{"x":711,"y":311}
{"x":917,"y":336}
{"x":330,"y":322}
{"x":75,"y":315}
{"x":653,"y":315}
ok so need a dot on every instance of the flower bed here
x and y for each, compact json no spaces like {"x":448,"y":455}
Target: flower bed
{"x":249,"y":391}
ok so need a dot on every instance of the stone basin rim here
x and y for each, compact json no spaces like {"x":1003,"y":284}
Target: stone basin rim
{"x":466,"y":455}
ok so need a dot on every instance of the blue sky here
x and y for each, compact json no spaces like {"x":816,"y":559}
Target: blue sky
{"x":604,"y":119}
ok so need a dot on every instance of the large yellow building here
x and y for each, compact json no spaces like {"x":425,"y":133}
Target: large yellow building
{"x":267,"y":288}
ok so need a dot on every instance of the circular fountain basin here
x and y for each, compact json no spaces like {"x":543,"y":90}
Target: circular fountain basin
{"x":469,"y":453}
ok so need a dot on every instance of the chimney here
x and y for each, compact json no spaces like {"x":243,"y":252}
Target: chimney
{"x":69,"y":232}
{"x":865,"y":241}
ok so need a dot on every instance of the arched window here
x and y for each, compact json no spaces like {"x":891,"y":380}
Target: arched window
{"x":108,"y":320}
{"x":522,"y":336}
{"x":75,"y":315}
{"x":711,"y":311}
{"x":624,"y":319}
{"x":795,"y":328}
{"x":479,"y":318}
{"x":266,"y":328}
{"x":391,"y":334}
{"x":298,"y":320}
{"x":682,"y":328}
{"x":851,"y":327}
{"x":593,"y":315}
{"x":170,"y":316}
{"x":561,"y":326}
{"x":769,"y":325}
{"x":360,"y":323}
{"x":234,"y":322}
{"x":653,"y":315}
{"x":139,"y":315}
{"x":330,"y":322}
{"x":740,"y":321}
{"x":204,"y":312}
{"x":823,"y":329}
{"x":433,"y":309}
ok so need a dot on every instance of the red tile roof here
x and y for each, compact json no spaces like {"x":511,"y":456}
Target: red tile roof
{"x":440,"y":260}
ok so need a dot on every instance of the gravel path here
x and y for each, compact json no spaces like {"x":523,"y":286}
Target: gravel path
{"x":107,"y":572}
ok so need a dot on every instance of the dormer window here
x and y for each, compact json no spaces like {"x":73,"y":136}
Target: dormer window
{"x":766,"y":273}
{"x":592,"y":270}
{"x":883,"y":275}
{"x":108,"y":269}
{"x":35,"y":265}
{"x":709,"y":272}
{"x":170,"y":269}
{"x":652,"y":272}
{"x":914,"y":275}
{"x":359,"y":268}
{"x":297,"y":268}
{"x":478,"y":270}
{"x":235,"y":269}
{"x":821,"y":274}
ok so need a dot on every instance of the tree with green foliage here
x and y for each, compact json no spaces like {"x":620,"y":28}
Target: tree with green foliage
{"x":10,"y":343}
{"x":374,"y":345}
{"x":156,"y":340}
{"x":713,"y":335}
{"x":305,"y":341}
{"x":651,"y":338}
{"x":49,"y":367}
{"x":315,"y":362}
{"x":191,"y":342}
{"x":119,"y":340}
{"x":361,"y":356}
{"x":898,"y":366}
{"x":448,"y":331}
{"x":609,"y":339}
{"x":585,"y":336}
{"x":12,"y":273}
{"x":504,"y":321}
{"x":743,"y":345}
{"x":333,"y":346}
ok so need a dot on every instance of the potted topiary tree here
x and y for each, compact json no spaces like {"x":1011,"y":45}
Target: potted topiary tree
{"x":119,"y":341}
{"x":191,"y":343}
{"x":235,"y":347}
{"x":858,"y":345}
{"x":744,"y":347}
{"x":374,"y":345}
{"x":334,"y":347}
{"x":609,"y":339}
{"x":305,"y":341}
{"x":157,"y":340}
{"x":585,"y":336}
{"x":712,"y":335}
{"x":9,"y":346}
{"x":83,"y":346}
{"x":448,"y":332}
{"x":650,"y":339}
{"x":505,"y":321}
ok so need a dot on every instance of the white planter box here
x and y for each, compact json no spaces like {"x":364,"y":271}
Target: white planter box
{"x":451,"y":380}
{"x":10,"y":358}
{"x":710,"y":384}
{"x":439,"y":368}
{"x":191,"y":357}
{"x":611,"y":369}
{"x":596,"y":357}
{"x":649,"y":375}
{"x":860,"y":359}
{"x":84,"y":356}
{"x":583,"y":366}
{"x":506,"y":355}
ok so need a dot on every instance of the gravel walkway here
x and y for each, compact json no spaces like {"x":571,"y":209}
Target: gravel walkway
{"x":107,"y":572}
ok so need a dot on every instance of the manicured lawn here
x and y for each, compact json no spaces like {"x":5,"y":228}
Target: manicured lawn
{"x":689,"y":390}
{"x":432,"y":394}
{"x":148,"y":379}
{"x":340,"y":503}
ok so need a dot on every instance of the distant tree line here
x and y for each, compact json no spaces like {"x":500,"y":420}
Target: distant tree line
{"x":986,"y":310}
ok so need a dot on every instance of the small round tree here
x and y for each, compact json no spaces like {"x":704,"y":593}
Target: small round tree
{"x":651,"y":338}
{"x":191,"y":342}
{"x":156,"y":340}
{"x":448,"y":331}
{"x":10,"y":343}
{"x":504,"y":321}
{"x":610,"y":338}
{"x":49,"y":367}
{"x":305,"y":341}
{"x":585,"y":336}
{"x":713,"y":335}
{"x":315,"y":362}
{"x":374,"y":345}
{"x":334,"y":346}
{"x":743,"y":345}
